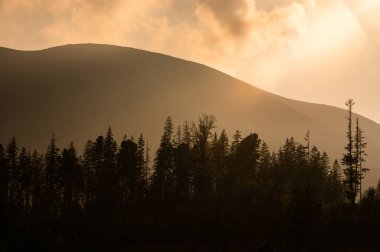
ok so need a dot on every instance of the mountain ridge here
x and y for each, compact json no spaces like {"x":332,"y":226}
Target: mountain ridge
{"x":88,"y":87}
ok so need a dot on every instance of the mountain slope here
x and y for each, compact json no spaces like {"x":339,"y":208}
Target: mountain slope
{"x":77,"y":91}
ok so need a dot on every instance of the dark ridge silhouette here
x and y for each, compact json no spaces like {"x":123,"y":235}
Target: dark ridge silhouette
{"x":74,"y":90}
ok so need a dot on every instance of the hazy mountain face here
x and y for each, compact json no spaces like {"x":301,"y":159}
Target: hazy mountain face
{"x":287,"y":47}
{"x":77,"y":91}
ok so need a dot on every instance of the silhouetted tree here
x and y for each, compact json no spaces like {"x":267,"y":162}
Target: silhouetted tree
{"x":264,"y":161}
{"x":352,"y":179}
{"x":335,"y":183}
{"x":141,"y":185}
{"x":204,"y":191}
{"x":89,"y":172}
{"x":219,"y":155}
{"x":201,"y":134}
{"x":107,"y":172}
{"x":130,"y":173}
{"x":163,"y":177}
{"x":235,"y":141}
{"x":38,"y":183}
{"x":71,"y":179}
{"x":4,"y":183}
{"x":51,"y":192}
{"x":25,"y":182}
{"x":13,"y":175}
{"x":359,"y":153}
{"x":246,"y":159}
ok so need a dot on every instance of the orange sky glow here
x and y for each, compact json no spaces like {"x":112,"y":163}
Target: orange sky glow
{"x":322,"y":51}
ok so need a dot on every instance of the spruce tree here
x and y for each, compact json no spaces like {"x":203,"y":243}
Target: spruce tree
{"x":89,"y":172}
{"x":24,"y":193}
{"x":38,"y":182}
{"x":360,"y":154}
{"x":52,"y":160}
{"x":4,"y":183}
{"x":141,"y":167}
{"x":352,"y":179}
{"x":235,"y":141}
{"x":264,"y":161}
{"x":71,"y":179}
{"x":202,"y":133}
{"x":163,"y":177}
{"x":13,"y":171}
{"x":130,"y":174}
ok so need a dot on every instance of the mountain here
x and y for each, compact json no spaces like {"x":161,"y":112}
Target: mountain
{"x":77,"y":91}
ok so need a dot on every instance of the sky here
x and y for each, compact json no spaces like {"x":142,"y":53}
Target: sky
{"x":322,"y":51}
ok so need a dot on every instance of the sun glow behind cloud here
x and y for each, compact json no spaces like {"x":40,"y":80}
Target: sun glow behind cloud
{"x":296,"y":48}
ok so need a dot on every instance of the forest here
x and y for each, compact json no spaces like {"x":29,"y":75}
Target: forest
{"x":200,"y":191}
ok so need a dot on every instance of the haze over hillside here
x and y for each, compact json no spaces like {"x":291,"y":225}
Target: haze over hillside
{"x":77,"y":91}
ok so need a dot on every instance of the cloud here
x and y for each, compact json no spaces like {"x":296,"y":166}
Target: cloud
{"x":234,"y":17}
{"x":196,"y":26}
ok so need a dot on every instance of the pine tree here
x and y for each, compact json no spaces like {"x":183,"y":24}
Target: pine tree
{"x":129,"y":172}
{"x":202,"y":133}
{"x":4,"y":183}
{"x":71,"y":179}
{"x":287,"y":157}
{"x":25,"y":182}
{"x":359,"y":153}
{"x":246,"y":159}
{"x":221,"y":149}
{"x":352,"y":179}
{"x":335,"y":182}
{"x":38,"y":182}
{"x":89,"y":172}
{"x":140,"y":166}
{"x":52,"y":160}
{"x":235,"y":142}
{"x":12,"y":167}
{"x":163,"y":177}
{"x":264,"y":161}
{"x":147,"y":170}
{"x":108,"y":178}
{"x":307,"y":147}
{"x":186,"y":134}
{"x":182,"y":161}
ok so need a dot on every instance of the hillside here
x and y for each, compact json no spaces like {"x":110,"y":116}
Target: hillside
{"x":77,"y":91}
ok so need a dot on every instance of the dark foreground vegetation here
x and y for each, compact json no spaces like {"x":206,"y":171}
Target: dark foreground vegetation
{"x":204,"y":192}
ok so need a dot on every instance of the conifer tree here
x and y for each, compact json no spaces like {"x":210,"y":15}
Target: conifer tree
{"x":4,"y":176}
{"x":141,"y":167}
{"x":182,"y":161}
{"x":163,"y":178}
{"x":264,"y":160}
{"x":221,"y":154}
{"x":201,"y":134}
{"x":235,"y":142}
{"x":130,"y":173}
{"x":38,"y":182}
{"x":359,"y":153}
{"x":71,"y":179}
{"x":52,"y":160}
{"x":246,"y":158}
{"x":307,"y":147}
{"x":89,"y":172}
{"x":25,"y":182}
{"x":12,"y":167}
{"x":352,"y":179}
{"x":335,"y":181}
{"x":146,"y":169}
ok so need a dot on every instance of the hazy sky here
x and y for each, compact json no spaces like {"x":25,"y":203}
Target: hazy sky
{"x":322,"y":51}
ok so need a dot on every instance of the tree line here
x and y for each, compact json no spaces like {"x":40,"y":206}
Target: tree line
{"x":201,"y":191}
